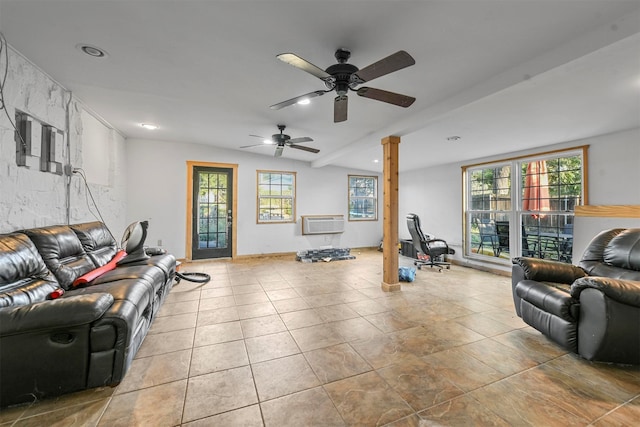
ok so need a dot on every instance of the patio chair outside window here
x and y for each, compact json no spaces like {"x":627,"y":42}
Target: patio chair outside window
{"x":488,"y":237}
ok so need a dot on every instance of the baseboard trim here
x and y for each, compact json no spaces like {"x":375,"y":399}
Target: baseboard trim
{"x":478,"y":266}
{"x":293,"y":254}
{"x":354,"y":251}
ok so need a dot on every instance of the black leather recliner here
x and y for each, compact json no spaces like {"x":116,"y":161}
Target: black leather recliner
{"x":592,"y":309}
{"x":89,"y":336}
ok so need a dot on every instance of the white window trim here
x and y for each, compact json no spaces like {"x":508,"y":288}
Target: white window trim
{"x":259,"y":197}
{"x":515,"y":214}
{"x":375,"y":198}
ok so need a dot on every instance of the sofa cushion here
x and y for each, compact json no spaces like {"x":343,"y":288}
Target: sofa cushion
{"x":614,"y":253}
{"x":94,"y":274}
{"x":561,"y":331}
{"x":97,"y":241}
{"x":623,"y":250}
{"x":149,"y":273}
{"x":555,"y":300}
{"x":544,"y":270}
{"x":138,"y":292}
{"x":623,"y":291}
{"x":165,"y":262}
{"x":24,"y":278}
{"x":62,"y":253}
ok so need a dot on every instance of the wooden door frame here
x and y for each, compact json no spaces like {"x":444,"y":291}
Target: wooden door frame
{"x":234,"y":204}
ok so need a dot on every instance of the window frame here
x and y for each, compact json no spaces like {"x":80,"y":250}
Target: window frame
{"x":291,"y":198}
{"x":374,"y":199}
{"x":515,"y":213}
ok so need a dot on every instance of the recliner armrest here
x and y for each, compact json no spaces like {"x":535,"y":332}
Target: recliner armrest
{"x":59,"y":313}
{"x":624,"y":291}
{"x":543,"y":270}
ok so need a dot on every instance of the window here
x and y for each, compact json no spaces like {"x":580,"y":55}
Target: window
{"x":363,"y":198}
{"x":276,"y":196}
{"x":524,"y":206}
{"x":489,"y":202}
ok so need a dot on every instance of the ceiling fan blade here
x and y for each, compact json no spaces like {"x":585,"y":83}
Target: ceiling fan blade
{"x":302,"y":147}
{"x":384,"y":96}
{"x":340,"y":108}
{"x":297,"y":98}
{"x":299,"y":140}
{"x":278,"y":152}
{"x":258,"y":136}
{"x":303,"y":64}
{"x":254,"y":145}
{"x":391,"y":63}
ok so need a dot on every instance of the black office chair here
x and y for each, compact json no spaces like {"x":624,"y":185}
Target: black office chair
{"x":433,"y":249}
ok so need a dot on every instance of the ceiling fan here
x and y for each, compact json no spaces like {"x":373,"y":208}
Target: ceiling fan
{"x":343,"y":77}
{"x":281,"y":140}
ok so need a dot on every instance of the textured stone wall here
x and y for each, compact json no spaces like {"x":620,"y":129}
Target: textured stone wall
{"x":31,"y":198}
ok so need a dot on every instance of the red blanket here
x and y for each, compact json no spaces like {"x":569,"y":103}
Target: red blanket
{"x":94,"y":274}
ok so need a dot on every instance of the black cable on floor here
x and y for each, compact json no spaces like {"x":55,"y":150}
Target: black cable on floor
{"x":193,"y":277}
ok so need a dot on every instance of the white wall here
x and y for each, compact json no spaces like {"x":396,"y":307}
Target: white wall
{"x":614,"y":179}
{"x":147,"y":180}
{"x":106,"y":175}
{"x":157,"y":188}
{"x":614,"y":169}
{"x":435,"y":194}
{"x":30,"y":198}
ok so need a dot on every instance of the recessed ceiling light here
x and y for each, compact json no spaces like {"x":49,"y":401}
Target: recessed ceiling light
{"x":376,"y":161}
{"x":94,"y":51}
{"x":149,"y":126}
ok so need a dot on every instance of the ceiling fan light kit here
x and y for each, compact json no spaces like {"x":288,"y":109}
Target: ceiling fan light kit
{"x":343,"y":77}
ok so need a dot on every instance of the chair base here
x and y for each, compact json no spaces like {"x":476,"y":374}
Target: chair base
{"x":438,"y":264}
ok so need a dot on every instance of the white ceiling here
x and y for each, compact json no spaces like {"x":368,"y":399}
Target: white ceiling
{"x":503,"y":75}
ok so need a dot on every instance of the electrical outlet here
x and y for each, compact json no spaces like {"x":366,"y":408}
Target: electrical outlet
{"x":159,"y":242}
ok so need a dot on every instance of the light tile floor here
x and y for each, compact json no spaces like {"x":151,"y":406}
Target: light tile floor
{"x":277,"y":342}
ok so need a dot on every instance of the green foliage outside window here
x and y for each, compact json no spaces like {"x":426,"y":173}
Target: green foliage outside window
{"x":276,"y":196}
{"x":363,"y":197}
{"x":564,"y":173}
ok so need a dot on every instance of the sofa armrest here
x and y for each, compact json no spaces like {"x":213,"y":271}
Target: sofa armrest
{"x":543,"y":270}
{"x":59,"y":313}
{"x":624,"y":291}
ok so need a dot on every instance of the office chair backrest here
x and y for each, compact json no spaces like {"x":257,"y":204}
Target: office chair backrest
{"x":417,"y":237}
{"x":413,"y":223}
{"x":413,"y":226}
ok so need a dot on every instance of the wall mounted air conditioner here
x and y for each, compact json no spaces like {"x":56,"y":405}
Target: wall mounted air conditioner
{"x":322,"y":224}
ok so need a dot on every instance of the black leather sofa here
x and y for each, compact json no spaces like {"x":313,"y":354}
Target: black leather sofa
{"x":89,"y":336}
{"x":592,"y":309}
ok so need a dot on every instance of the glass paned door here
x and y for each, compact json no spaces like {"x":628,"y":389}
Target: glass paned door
{"x":212,"y":215}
